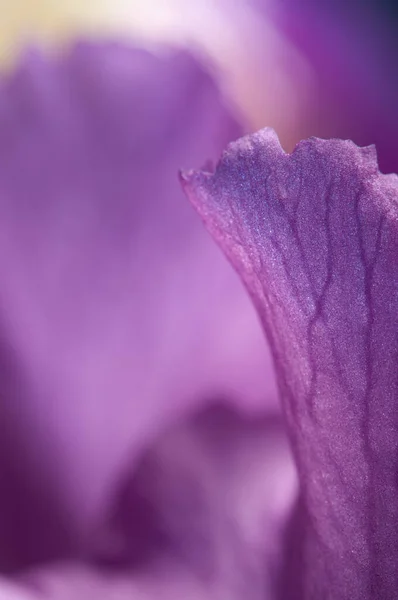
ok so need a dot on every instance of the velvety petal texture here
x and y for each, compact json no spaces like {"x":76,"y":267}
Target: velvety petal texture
{"x":314,"y":235}
{"x":118,"y":314}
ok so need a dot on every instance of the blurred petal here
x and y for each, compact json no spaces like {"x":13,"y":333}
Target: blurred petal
{"x":202,"y":517}
{"x":117,"y":312}
{"x":82,"y":582}
{"x":352,"y":51}
{"x":314,"y":236}
{"x":258,"y":66}
{"x":215,"y":492}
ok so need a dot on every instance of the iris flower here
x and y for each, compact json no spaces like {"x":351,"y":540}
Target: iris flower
{"x":143,"y":453}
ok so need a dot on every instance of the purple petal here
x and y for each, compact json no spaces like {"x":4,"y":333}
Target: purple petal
{"x":314,"y":235}
{"x":117,"y":313}
{"x":211,"y":496}
{"x":214,"y":492}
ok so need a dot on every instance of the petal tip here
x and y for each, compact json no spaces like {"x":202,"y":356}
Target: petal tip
{"x":338,"y":150}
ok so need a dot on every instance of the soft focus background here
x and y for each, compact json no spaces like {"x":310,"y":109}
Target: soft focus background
{"x":325,"y":68}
